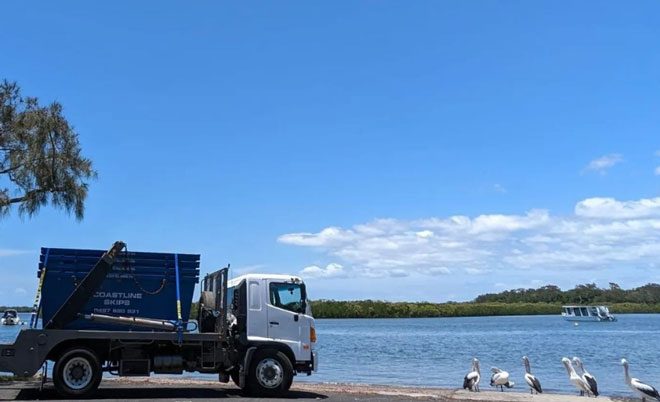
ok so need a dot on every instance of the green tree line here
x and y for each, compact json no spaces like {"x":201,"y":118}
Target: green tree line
{"x":544,"y":300}
{"x":20,"y":309}
{"x":383,"y":309}
{"x":581,"y":294}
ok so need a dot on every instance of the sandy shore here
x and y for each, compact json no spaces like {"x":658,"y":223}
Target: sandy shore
{"x":358,"y":391}
{"x":152,"y":389}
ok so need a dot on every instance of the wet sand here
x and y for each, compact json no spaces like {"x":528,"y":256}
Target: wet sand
{"x":359,"y":391}
{"x":173,"y":389}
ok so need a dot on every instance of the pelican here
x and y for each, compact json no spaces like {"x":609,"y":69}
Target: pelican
{"x":644,"y":390}
{"x":575,"y":379}
{"x":587,"y":377}
{"x":471,"y":380}
{"x":530,"y":379}
{"x":500,"y":378}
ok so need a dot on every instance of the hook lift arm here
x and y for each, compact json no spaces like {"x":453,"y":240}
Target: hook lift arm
{"x":85,"y":289}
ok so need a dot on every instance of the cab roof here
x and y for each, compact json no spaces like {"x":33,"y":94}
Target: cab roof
{"x":279,"y":277}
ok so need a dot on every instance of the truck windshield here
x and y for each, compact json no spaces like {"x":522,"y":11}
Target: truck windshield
{"x":289,"y":296}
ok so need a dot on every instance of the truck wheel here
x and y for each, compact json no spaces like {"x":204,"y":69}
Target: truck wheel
{"x":271,"y":373}
{"x":77,"y":373}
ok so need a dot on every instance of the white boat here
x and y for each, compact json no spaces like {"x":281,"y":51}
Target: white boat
{"x":10,"y":317}
{"x":587,"y":313}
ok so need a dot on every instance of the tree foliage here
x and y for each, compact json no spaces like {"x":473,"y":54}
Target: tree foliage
{"x":40,"y":156}
{"x":581,"y":294}
{"x":544,"y":300}
{"x":383,"y":309}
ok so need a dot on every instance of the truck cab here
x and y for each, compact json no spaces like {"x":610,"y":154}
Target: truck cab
{"x":272,"y":311}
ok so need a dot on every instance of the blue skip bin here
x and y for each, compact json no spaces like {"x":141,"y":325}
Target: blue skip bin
{"x":139,"y":285}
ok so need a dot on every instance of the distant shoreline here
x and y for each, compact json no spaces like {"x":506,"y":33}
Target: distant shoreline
{"x":544,"y":300}
{"x":382,"y":309}
{"x":20,"y":309}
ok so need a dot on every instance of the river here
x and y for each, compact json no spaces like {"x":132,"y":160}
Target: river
{"x":436,"y":352}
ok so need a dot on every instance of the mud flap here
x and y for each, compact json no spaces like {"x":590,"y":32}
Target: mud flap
{"x":245,"y":367}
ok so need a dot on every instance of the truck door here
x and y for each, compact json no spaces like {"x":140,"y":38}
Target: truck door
{"x":286,"y":320}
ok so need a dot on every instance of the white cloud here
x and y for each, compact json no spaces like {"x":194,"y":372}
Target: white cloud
{"x":509,"y":223}
{"x":657,"y":171}
{"x":534,"y":283}
{"x":609,"y":208}
{"x":437,"y":271}
{"x":20,"y":291}
{"x":249,"y":269}
{"x":5,"y":252}
{"x":476,"y":271}
{"x":332,"y":270}
{"x":323,"y":238}
{"x":424,"y":234}
{"x":486,"y":224}
{"x":603,"y":163}
{"x":499,"y":188}
{"x":602,"y":234}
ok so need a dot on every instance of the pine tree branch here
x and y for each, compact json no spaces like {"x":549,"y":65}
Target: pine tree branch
{"x":32,"y":193}
{"x":11,"y":169}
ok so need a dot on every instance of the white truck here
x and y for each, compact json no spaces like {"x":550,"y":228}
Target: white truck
{"x":256,"y":329}
{"x":272,"y":312}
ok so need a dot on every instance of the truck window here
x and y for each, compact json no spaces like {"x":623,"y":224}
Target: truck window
{"x":288,"y":296}
{"x":230,"y":299}
{"x":255,"y":296}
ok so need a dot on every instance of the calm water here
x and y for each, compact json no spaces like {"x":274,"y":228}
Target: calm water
{"x":436,"y":352}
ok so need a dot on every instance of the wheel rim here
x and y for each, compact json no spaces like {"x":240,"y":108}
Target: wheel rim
{"x":77,"y":373}
{"x":270,"y":373}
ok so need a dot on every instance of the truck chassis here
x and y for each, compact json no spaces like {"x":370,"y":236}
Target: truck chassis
{"x":81,"y":356}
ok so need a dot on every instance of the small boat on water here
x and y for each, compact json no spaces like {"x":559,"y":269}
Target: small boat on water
{"x":587,"y":313}
{"x":10,"y":317}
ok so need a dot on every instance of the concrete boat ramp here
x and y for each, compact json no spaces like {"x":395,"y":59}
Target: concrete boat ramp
{"x":166,"y":389}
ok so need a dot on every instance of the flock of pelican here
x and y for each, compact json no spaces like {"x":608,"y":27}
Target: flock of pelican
{"x":584,"y":382}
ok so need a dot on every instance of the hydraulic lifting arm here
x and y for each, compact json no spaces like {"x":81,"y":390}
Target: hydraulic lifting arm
{"x":85,"y":289}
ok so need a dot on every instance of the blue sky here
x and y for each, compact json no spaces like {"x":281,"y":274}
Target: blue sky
{"x":424,"y":151}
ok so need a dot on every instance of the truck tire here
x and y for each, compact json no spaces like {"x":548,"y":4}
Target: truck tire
{"x":271,"y":373}
{"x":77,"y":373}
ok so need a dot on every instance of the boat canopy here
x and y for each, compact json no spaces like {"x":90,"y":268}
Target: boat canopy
{"x":600,"y":313}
